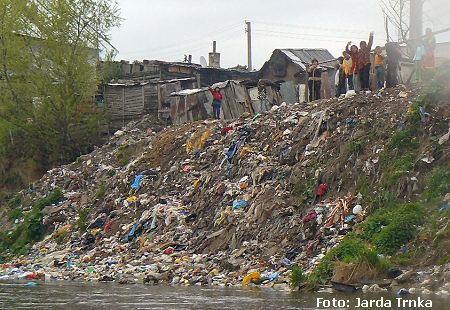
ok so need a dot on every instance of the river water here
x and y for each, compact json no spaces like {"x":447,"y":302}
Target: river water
{"x":70,"y":295}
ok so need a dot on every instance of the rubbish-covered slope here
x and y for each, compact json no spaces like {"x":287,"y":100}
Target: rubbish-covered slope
{"x":210,"y":202}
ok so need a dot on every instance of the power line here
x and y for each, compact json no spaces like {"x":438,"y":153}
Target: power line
{"x":187,"y":42}
{"x":225,"y":37}
{"x":223,"y":44}
{"x":307,"y":34}
{"x":334,"y":29}
{"x":299,"y":37}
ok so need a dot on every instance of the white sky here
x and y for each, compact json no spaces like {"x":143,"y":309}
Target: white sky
{"x":168,"y":29}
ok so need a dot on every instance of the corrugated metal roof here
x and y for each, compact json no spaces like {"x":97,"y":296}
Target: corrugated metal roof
{"x":186,"y":92}
{"x":128,"y":84}
{"x":304,"y":56}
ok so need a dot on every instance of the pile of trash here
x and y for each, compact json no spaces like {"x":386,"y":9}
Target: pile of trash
{"x":214,"y":203}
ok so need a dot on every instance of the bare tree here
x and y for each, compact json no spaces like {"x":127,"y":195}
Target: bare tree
{"x":396,"y":14}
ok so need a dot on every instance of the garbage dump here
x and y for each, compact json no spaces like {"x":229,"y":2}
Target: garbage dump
{"x":215,"y":203}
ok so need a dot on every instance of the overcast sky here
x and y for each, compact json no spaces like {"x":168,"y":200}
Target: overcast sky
{"x":168,"y":29}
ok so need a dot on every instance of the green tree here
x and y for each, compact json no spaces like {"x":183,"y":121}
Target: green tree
{"x":48,"y":80}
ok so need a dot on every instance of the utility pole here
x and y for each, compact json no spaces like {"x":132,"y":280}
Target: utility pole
{"x":249,"y":45}
{"x":416,"y":19}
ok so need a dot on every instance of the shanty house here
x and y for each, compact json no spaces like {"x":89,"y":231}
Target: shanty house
{"x":147,"y":70}
{"x":195,"y":104}
{"x":290,"y":65}
{"x":126,"y":101}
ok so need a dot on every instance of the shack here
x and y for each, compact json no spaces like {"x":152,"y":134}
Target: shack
{"x":288,"y":66}
{"x":128,"y":100}
{"x":148,"y":70}
{"x":124,"y":102}
{"x":238,"y":97}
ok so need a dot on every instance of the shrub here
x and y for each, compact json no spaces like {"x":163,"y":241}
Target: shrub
{"x":389,"y":228}
{"x":403,"y":140}
{"x":305,"y":190}
{"x":297,"y":277}
{"x":32,"y":229}
{"x":101,"y":190}
{"x":123,"y":155}
{"x":82,"y":219}
{"x":438,"y":184}
{"x":15,"y":214}
{"x":351,"y":249}
{"x":14,"y":202}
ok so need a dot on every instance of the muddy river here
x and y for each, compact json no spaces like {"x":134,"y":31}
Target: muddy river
{"x":70,"y":295}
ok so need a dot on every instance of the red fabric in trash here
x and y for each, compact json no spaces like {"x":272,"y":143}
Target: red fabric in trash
{"x":310,"y":217}
{"x":32,"y":276}
{"x":108,"y":225}
{"x":168,"y":251}
{"x":226,"y":130}
{"x":322,"y":189}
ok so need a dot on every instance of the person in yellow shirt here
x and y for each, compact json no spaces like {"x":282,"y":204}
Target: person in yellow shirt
{"x":347,"y":65}
{"x":379,"y":67}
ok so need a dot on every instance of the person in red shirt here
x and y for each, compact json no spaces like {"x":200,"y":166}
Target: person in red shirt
{"x":217,"y":101}
{"x":364,"y":63}
{"x":429,"y":61}
{"x":353,"y":52}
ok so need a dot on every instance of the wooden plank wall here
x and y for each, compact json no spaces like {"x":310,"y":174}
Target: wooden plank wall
{"x":124,"y":103}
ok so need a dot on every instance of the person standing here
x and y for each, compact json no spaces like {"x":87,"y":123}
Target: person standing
{"x":429,"y":61}
{"x":394,"y":55}
{"x":364,"y":63}
{"x":217,"y":101}
{"x":347,"y":65}
{"x":339,"y":79}
{"x":353,"y":52}
{"x":262,"y":94}
{"x":379,"y":67}
{"x":314,"y":80}
{"x":418,"y":60}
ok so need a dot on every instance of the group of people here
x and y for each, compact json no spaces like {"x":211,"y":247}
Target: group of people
{"x":355,"y":65}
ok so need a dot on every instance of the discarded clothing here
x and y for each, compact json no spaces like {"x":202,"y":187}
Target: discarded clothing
{"x":312,"y":215}
{"x":239,"y":204}
{"x":136,"y":182}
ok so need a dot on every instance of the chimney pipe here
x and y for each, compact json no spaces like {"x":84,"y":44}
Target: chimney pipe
{"x":214,"y":57}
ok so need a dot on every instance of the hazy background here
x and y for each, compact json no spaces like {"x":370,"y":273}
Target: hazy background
{"x":168,"y":29}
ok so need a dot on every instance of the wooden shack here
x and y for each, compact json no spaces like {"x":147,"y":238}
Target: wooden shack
{"x":238,"y":97}
{"x":148,"y":70}
{"x":124,"y":102}
{"x":129,"y":100}
{"x":290,"y":65}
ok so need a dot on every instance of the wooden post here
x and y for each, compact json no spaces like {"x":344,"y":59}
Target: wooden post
{"x":197,"y":75}
{"x":123,"y":106}
{"x":158,"y":93}
{"x":143,"y":99}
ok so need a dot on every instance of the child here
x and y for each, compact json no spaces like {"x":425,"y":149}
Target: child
{"x":379,"y":67}
{"x":314,"y":80}
{"x":339,"y":79}
{"x":353,"y":52}
{"x":347,"y":65}
{"x":418,"y":60}
{"x":364,"y":63}
{"x":217,"y":101}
